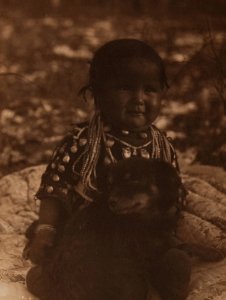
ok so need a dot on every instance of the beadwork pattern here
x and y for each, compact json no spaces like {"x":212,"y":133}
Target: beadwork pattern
{"x":77,"y":158}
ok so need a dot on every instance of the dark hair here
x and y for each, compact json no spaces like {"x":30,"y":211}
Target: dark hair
{"x":110,"y":56}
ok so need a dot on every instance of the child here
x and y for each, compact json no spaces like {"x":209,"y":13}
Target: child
{"x":126,"y":79}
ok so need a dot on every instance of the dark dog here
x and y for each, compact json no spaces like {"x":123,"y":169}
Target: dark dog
{"x":124,"y":241}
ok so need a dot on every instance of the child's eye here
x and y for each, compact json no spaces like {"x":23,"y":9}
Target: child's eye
{"x":149,"y":89}
{"x":124,"y":87}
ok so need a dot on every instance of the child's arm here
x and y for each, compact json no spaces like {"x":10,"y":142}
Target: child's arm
{"x":45,"y":232}
{"x":57,"y":195}
{"x":49,"y":211}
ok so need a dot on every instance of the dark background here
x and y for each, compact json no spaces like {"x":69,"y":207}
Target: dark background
{"x":45,"y":48}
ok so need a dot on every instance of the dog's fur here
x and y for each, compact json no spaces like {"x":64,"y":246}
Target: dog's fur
{"x":124,"y":241}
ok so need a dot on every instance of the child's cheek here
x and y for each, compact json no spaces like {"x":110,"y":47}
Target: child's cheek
{"x":153,"y":107}
{"x":113,"y":102}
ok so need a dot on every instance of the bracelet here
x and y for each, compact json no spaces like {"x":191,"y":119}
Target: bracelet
{"x":45,"y":227}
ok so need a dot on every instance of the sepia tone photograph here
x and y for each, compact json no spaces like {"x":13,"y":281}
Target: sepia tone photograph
{"x":113,"y":150}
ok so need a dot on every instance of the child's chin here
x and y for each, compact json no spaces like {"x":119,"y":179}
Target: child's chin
{"x":136,"y":124}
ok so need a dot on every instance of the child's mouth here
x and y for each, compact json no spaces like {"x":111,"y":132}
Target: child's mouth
{"x":135,"y":113}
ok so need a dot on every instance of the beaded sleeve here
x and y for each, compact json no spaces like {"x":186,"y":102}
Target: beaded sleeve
{"x":59,"y":177}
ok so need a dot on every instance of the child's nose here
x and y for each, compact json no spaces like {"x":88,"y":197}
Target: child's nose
{"x":138,"y":95}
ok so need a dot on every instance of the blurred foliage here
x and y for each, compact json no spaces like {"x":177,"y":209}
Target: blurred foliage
{"x":45,"y":49}
{"x":134,"y":7}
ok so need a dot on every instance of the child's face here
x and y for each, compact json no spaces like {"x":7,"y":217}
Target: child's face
{"x":133,"y":99}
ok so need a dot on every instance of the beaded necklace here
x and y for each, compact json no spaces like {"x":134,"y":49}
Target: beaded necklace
{"x":161,"y":148}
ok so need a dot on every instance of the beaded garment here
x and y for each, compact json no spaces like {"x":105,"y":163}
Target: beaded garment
{"x":75,"y":163}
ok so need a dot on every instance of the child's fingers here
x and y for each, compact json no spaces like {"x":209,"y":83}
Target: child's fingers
{"x":36,"y":253}
{"x":37,"y":258}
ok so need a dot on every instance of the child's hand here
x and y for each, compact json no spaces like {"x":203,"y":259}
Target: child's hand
{"x":39,"y":248}
{"x":38,"y":251}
